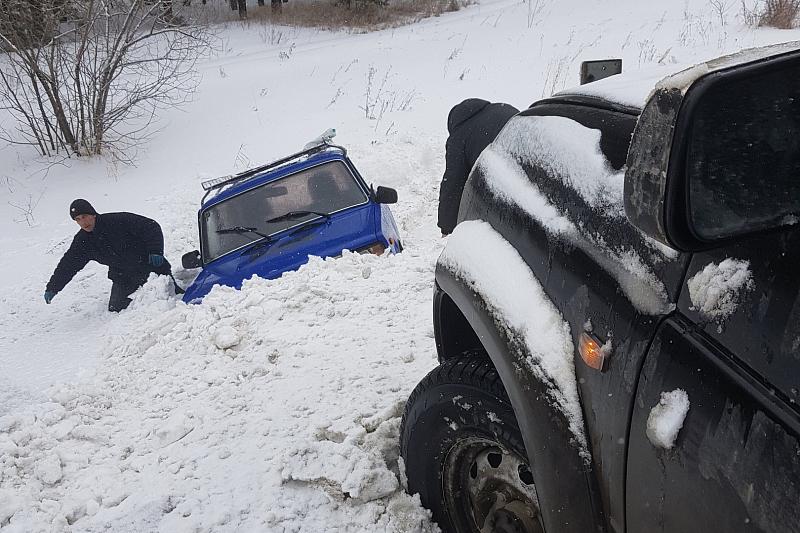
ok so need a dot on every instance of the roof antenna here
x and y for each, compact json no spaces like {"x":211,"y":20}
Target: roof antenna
{"x":325,"y":138}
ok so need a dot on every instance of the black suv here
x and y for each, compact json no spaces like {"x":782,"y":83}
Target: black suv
{"x":617,"y":314}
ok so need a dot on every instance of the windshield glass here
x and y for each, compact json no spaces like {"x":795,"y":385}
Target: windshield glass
{"x":325,"y":189}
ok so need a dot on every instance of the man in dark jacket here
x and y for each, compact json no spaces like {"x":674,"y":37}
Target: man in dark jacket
{"x":132,"y":246}
{"x":473,"y":124}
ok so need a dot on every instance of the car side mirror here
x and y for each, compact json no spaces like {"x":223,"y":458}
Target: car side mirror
{"x":191,"y":259}
{"x":599,"y":69}
{"x":385,"y":195}
{"x":716,"y":151}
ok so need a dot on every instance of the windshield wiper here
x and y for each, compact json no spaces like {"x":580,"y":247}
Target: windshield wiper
{"x":241,"y":229}
{"x":261,"y":247}
{"x":296,"y":214}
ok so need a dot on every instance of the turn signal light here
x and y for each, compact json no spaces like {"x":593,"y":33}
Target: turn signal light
{"x":592,"y":351}
{"x":377,"y":249}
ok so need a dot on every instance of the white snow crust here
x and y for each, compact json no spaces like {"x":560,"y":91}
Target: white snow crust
{"x":248,"y":412}
{"x":715,"y":291}
{"x":631,"y":89}
{"x":481,"y":257}
{"x":581,"y":166}
{"x":683,"y":79}
{"x":666,"y":418}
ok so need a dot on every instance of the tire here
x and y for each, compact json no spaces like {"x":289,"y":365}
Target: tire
{"x":463,"y":452}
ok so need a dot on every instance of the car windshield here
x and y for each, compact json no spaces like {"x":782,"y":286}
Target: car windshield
{"x":323,"y":189}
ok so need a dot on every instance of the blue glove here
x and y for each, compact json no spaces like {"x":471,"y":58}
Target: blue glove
{"x":48,"y":296}
{"x":155,"y":260}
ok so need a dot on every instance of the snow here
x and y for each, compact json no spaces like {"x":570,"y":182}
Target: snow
{"x":666,"y":418}
{"x":564,"y":148}
{"x":634,"y":89}
{"x":716,"y":290}
{"x":627,"y":89}
{"x":276,"y":408}
{"x":491,"y":266}
{"x":232,"y":435}
{"x":683,"y":79}
{"x":510,"y":183}
{"x":536,"y":141}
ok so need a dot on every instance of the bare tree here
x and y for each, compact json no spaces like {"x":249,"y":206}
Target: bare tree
{"x":721,"y":8}
{"x":87,"y":76}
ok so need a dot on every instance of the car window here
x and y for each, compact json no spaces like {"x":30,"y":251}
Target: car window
{"x":744,"y":156}
{"x":326,"y":188}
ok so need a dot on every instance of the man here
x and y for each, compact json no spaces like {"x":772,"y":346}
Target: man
{"x":473,"y":124}
{"x":132,"y":246}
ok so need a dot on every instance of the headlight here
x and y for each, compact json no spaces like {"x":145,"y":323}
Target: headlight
{"x":376,"y":248}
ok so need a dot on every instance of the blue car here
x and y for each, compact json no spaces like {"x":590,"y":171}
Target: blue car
{"x":270,"y":219}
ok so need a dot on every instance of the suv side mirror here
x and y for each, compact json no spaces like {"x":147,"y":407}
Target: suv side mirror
{"x":599,"y":69}
{"x":385,"y":195}
{"x":716,"y":151}
{"x":191,"y":259}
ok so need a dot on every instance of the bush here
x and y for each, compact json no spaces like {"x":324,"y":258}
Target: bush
{"x":356,"y":15}
{"x":88,"y":77}
{"x":780,"y":14}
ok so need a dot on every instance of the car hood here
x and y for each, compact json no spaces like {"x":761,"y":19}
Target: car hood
{"x":270,"y":260}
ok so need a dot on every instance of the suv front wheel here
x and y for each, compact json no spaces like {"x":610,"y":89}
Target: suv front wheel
{"x":463,"y":452}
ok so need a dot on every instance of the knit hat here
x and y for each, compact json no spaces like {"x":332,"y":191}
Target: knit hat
{"x":80,"y":207}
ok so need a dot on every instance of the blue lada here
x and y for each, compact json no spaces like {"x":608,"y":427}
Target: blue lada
{"x":270,"y":219}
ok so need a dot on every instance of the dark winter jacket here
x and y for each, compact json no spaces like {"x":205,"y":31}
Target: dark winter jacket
{"x":473,"y":124}
{"x":122,"y":241}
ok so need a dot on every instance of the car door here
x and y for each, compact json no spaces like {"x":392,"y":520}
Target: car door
{"x":735,"y":464}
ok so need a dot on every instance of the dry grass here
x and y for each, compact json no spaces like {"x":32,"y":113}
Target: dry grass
{"x":782,"y":14}
{"x":361,"y":16}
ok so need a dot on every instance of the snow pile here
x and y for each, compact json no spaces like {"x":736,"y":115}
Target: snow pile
{"x":247,"y":412}
{"x":716,"y":290}
{"x":666,"y":418}
{"x":535,"y":141}
{"x":481,"y":257}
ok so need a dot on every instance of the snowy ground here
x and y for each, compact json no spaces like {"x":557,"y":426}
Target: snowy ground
{"x":273,"y":408}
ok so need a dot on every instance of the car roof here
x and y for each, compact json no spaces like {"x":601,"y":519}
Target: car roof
{"x":273,"y":171}
{"x":630,"y":91}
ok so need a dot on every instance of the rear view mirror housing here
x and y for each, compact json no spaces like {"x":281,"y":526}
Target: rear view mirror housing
{"x":191,"y":260}
{"x":598,"y":69}
{"x":385,"y":195}
{"x":713,"y":149}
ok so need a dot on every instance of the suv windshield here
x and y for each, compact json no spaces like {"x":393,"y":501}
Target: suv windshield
{"x":323,"y":189}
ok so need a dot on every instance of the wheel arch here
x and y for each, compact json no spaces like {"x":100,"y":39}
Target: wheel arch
{"x":568,"y":495}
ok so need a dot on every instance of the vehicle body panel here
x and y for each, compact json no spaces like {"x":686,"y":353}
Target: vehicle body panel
{"x":567,"y":499}
{"x":582,"y":288}
{"x":288,"y":252}
{"x":737,"y":460}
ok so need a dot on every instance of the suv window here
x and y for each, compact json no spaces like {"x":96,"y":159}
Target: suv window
{"x":326,"y":188}
{"x":746,"y":175}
